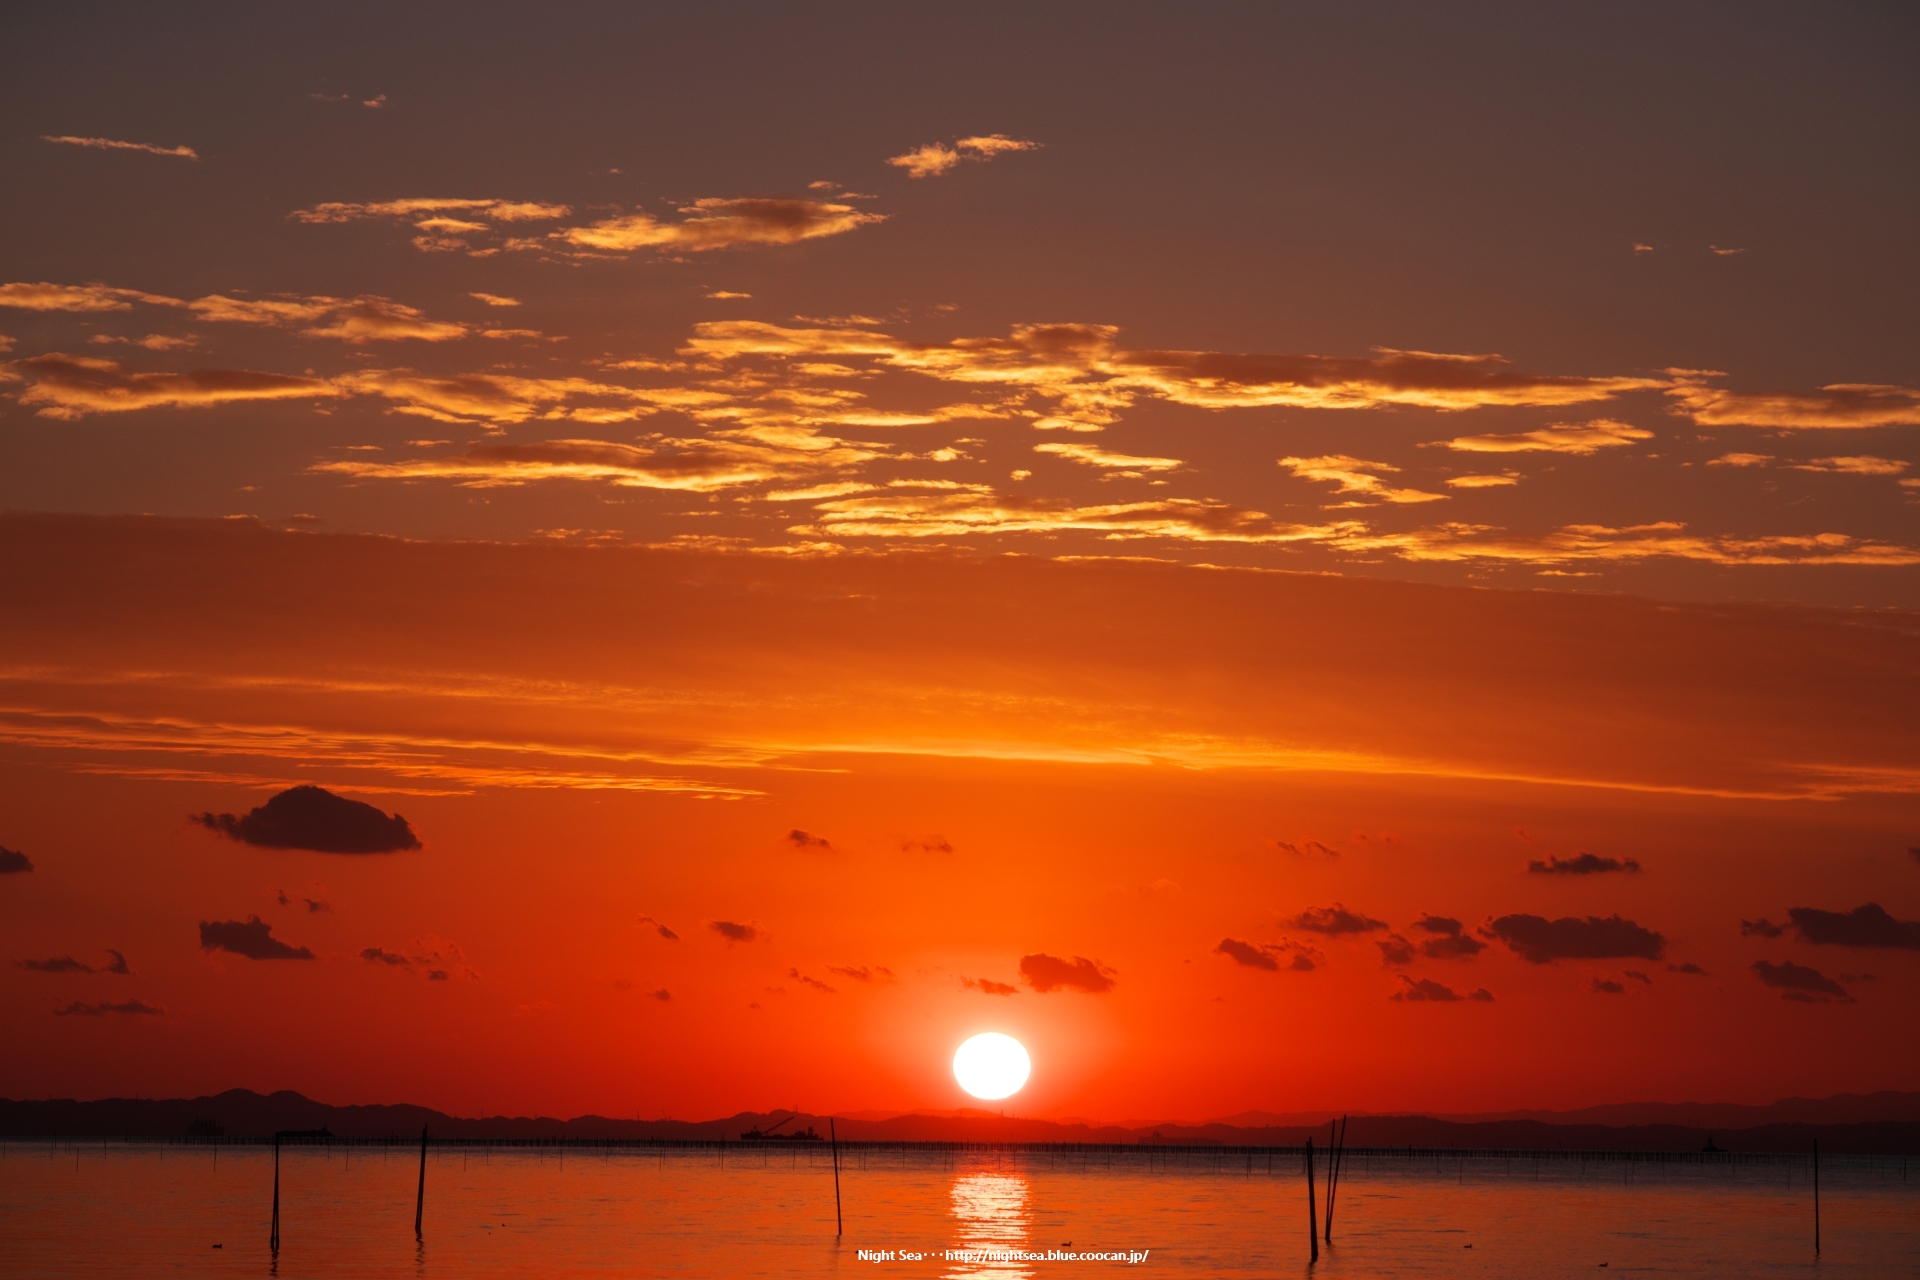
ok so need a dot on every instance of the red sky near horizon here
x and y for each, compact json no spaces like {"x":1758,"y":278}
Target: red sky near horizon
{"x":1354,"y":557}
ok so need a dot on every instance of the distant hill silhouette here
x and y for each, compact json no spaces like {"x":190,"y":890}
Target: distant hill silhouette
{"x":1880,"y":1123}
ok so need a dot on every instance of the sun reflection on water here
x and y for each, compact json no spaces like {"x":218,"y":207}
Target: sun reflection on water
{"x":990,"y":1211}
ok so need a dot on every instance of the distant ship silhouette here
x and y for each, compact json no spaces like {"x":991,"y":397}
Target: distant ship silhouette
{"x":769,"y":1134}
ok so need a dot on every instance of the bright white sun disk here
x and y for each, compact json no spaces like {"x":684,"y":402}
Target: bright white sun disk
{"x":991,"y":1065}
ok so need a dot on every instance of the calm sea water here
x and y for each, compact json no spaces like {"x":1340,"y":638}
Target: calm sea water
{"x":137,"y":1210}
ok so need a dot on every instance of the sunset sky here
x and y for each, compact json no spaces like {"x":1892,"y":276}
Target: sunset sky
{"x":1355,"y":556}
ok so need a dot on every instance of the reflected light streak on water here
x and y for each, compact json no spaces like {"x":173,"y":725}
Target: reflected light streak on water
{"x":991,"y":1210}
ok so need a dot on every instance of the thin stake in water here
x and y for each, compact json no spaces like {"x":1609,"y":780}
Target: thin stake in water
{"x":1313,"y":1227}
{"x":839,"y":1225}
{"x":273,"y":1237}
{"x":420,"y":1197}
{"x":1816,"y":1197}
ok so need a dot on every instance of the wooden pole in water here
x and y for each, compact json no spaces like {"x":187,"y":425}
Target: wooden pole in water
{"x":1333,"y":1172}
{"x":839,"y":1224}
{"x":1313,"y":1228}
{"x":273,"y":1238}
{"x":420,"y":1196}
{"x":1816,"y":1197}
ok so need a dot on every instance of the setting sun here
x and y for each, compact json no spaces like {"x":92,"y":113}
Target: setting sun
{"x":991,"y":1066}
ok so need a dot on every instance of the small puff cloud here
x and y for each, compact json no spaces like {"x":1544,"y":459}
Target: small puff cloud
{"x":1426,"y":989}
{"x":1866,"y":926}
{"x":1581,"y":864}
{"x":1541,"y":941}
{"x":862,"y":973}
{"x":1335,"y":920}
{"x":648,"y":922}
{"x":252,"y":938}
{"x":733,"y":931}
{"x":114,"y":144}
{"x":807,"y":840}
{"x":935,"y":158}
{"x":1305,"y":849}
{"x":1582,"y":440}
{"x":82,"y":1009}
{"x":13,"y":862}
{"x":987,"y":986}
{"x":309,"y":817}
{"x":1046,"y":973}
{"x":1799,"y":982}
{"x":1761,"y":928}
{"x":1353,"y":475}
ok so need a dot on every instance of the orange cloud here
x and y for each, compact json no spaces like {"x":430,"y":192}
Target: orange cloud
{"x":74,"y":386}
{"x":952,"y":510}
{"x":505,"y":399}
{"x":690,"y":465}
{"x":1481,"y":482}
{"x":1837,"y":406}
{"x":114,"y":144}
{"x":1666,"y":539}
{"x":1741,"y":460}
{"x":1093,"y":456}
{"x":936,"y":158}
{"x":1856,"y":466}
{"x":1082,"y":364}
{"x":495,"y":300}
{"x":82,"y":297}
{"x":357,"y":320}
{"x":498,"y":210}
{"x":1584,"y":439}
{"x":722,"y":224}
{"x":1352,"y":475}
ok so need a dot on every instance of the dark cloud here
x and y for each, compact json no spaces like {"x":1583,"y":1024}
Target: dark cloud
{"x":1395,"y":949}
{"x":927,"y":844}
{"x":82,"y":1009}
{"x":1581,"y":864}
{"x":1607,"y":987}
{"x":58,"y":964}
{"x":1426,"y":989}
{"x":734,"y":932}
{"x":1045,"y":973}
{"x":861,"y":972}
{"x":12,"y":860}
{"x":1638,"y":976}
{"x":1688,"y":967}
{"x":1247,"y":953}
{"x":661,"y":994}
{"x":988,"y":986}
{"x":657,"y":927}
{"x":67,"y":964}
{"x":252,"y":938}
{"x":1761,"y":928}
{"x":1335,"y":920}
{"x":380,"y":955}
{"x":314,"y":905}
{"x":1798,"y":982}
{"x":815,"y":983}
{"x":1913,"y":852}
{"x":1868,"y":926}
{"x":314,"y":818}
{"x":807,"y":840}
{"x":1305,"y":849}
{"x":1541,"y":940}
{"x":1450,"y":940}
